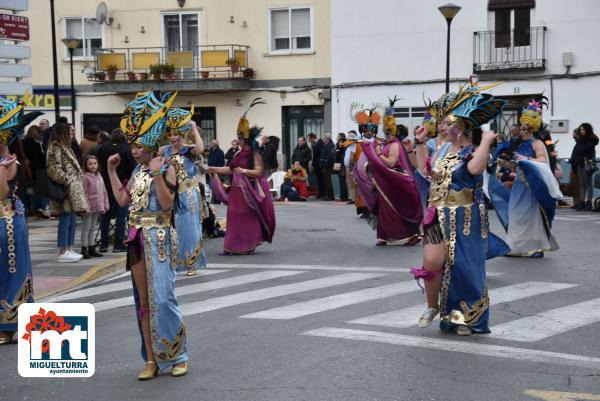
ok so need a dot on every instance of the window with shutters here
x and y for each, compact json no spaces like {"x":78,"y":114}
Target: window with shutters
{"x":88,"y":30}
{"x":522,"y":27}
{"x":290,"y":30}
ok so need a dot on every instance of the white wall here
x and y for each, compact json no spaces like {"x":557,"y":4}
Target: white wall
{"x":403,"y":41}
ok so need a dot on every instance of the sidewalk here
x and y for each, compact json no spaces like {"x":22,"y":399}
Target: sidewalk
{"x":49,"y":276}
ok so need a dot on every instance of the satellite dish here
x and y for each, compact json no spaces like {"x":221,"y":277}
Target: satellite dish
{"x":101,"y":13}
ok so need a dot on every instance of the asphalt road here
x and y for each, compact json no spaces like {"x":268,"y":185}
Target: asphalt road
{"x":323,"y":314}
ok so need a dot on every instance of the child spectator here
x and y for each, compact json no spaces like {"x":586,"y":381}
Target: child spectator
{"x":97,"y":197}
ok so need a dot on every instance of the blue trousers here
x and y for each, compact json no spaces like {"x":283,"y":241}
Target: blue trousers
{"x":67,"y":223}
{"x":120,"y":214}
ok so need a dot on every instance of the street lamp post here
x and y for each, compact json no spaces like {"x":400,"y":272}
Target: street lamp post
{"x":54,"y":63}
{"x":72,"y":44}
{"x":449,"y":11}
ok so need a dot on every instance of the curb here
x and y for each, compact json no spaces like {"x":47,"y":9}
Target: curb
{"x":91,"y":274}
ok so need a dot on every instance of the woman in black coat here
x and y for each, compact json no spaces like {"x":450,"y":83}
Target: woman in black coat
{"x":32,"y":147}
{"x":583,"y":154}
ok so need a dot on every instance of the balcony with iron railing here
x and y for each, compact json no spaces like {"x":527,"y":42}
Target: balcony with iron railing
{"x":517,"y":50}
{"x":212,"y":66}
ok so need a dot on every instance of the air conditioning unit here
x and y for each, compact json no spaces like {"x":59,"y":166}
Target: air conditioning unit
{"x":560,"y":126}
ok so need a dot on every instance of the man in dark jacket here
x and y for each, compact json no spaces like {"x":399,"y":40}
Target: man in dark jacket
{"x":326,"y":164}
{"x":302,"y":154}
{"x":317,"y":146}
{"x":216,"y":157}
{"x":117,"y":145}
{"x":269,"y":146}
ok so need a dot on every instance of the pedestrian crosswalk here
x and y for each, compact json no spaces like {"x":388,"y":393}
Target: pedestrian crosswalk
{"x":281,"y":293}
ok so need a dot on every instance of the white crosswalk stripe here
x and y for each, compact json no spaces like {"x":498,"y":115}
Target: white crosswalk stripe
{"x":120,"y":286}
{"x":203,"y":287}
{"x":335,"y":301}
{"x":549,"y":323}
{"x":407,"y":317}
{"x":273,"y":292}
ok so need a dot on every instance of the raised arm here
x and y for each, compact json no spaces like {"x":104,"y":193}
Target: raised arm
{"x":121,"y":195}
{"x":391,"y":160}
{"x":478,"y":163}
{"x":421,"y":150}
{"x":8,"y":171}
{"x":164,"y":182}
{"x":199,"y":149}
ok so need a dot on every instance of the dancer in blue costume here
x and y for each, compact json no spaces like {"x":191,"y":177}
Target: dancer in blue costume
{"x":182,"y":156}
{"x":527,"y":210}
{"x":16,"y":284}
{"x":152,"y":241}
{"x":456,"y":228}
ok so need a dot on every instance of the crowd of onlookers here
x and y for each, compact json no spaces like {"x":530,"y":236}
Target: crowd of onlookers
{"x":80,"y":185}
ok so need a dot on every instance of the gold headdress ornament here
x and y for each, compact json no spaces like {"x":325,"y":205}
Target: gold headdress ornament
{"x":389,"y":121}
{"x":532,"y":115}
{"x":144,"y":119}
{"x":243,"y":128}
{"x":468,"y":107}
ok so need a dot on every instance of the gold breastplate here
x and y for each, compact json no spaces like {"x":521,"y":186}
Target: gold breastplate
{"x":441,"y":177}
{"x":178,"y":164}
{"x":140,"y":191}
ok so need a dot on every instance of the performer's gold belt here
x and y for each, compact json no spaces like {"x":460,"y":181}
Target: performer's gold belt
{"x":187,"y":184}
{"x":6,"y":209}
{"x":464,"y":197}
{"x":159,"y":219}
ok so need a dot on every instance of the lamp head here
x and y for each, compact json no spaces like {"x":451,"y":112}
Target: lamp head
{"x":71,"y":43}
{"x":449,"y":10}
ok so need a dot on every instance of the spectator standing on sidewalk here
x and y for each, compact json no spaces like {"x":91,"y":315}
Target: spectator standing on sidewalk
{"x":349,"y":165}
{"x":302,"y":153}
{"x":32,"y":146}
{"x":102,"y":138}
{"x":317,"y":147}
{"x":75,"y":144}
{"x":326,"y":165}
{"x":89,"y":139}
{"x":64,"y":169}
{"x":269,"y":146}
{"x":117,"y":145}
{"x":584,"y":161}
{"x":339,"y":167}
{"x":235,"y":147}
{"x":216,"y":157}
{"x":97,"y":197}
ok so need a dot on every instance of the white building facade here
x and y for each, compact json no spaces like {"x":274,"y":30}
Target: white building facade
{"x":534,"y":47}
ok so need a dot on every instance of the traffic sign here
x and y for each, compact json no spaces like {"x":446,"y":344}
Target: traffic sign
{"x":15,"y":52}
{"x":14,"y":27}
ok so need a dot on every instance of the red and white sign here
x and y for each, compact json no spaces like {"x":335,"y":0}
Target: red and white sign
{"x":14,"y":27}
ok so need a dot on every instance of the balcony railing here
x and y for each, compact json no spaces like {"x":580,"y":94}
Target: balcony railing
{"x":201,"y":62}
{"x":509,"y":51}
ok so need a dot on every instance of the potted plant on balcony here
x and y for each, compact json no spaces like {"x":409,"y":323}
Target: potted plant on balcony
{"x":131,"y":75}
{"x":205,"y":74}
{"x":144,"y":76}
{"x":111,"y":70}
{"x":233,"y":64}
{"x":156,"y":71}
{"x":168,"y":71}
{"x":100,"y":75}
{"x":249,"y":73}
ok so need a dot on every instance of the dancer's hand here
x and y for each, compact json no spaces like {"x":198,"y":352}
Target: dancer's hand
{"x":421,"y":134}
{"x":156,"y":164}
{"x":113,"y":162}
{"x":407,"y":144}
{"x":488,"y":137}
{"x":8,"y":161}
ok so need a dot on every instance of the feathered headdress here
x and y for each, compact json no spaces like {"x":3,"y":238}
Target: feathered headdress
{"x":144,"y":118}
{"x":244,"y":129}
{"x":532,"y":114}
{"x":367,"y":119}
{"x":13,"y":119}
{"x":468,"y":106}
{"x":389,"y":121}
{"x":429,"y":123}
{"x":178,"y":120}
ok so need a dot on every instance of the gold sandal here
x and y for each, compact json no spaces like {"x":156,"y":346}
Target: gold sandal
{"x":150,"y":371}
{"x":179,"y":369}
{"x":6,"y":337}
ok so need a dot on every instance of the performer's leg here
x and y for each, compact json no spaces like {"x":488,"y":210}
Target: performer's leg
{"x":141,"y":283}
